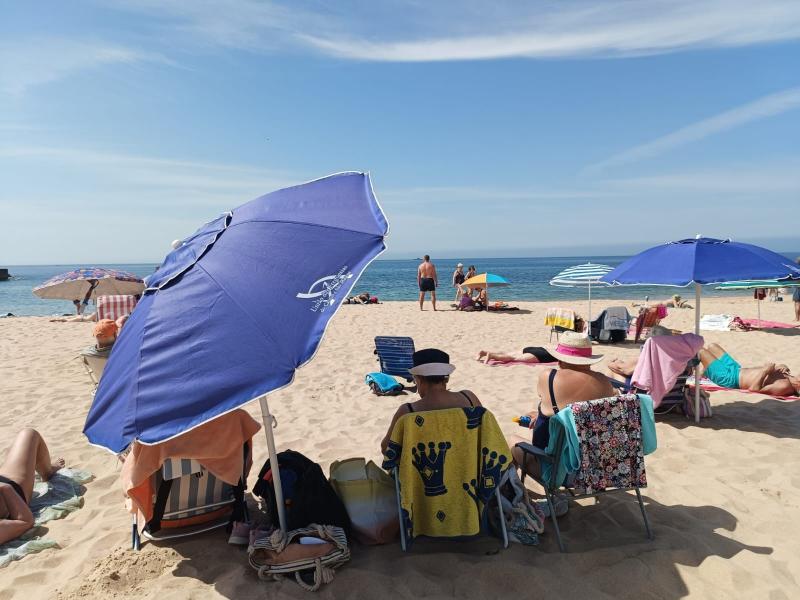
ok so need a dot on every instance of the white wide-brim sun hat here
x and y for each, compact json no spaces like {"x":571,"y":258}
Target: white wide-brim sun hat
{"x":431,"y":363}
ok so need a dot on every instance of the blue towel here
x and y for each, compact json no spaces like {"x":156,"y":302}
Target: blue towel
{"x":383,"y":384}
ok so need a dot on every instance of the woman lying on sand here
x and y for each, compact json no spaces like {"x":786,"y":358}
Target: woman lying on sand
{"x":772,"y":379}
{"x":431,"y":372}
{"x":531,"y":354}
{"x":28,"y":455}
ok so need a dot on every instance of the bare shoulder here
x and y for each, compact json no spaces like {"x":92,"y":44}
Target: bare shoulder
{"x":544,"y":375}
{"x":472,"y":396}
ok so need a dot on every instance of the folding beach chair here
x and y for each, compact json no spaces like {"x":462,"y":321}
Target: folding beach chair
{"x":552,"y":485}
{"x":560,"y":320}
{"x":189,"y":500}
{"x":483,"y":472}
{"x":647,"y":318}
{"x":94,"y":361}
{"x":611,"y":326}
{"x":114,"y":307}
{"x":672,"y":400}
{"x":395,"y":355}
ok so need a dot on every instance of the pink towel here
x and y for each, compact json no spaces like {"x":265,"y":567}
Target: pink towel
{"x":662,"y":360}
{"x":709,"y":386}
{"x":509,"y":363}
{"x":756,"y":324}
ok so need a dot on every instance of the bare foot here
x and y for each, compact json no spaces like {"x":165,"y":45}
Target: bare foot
{"x":58,"y":463}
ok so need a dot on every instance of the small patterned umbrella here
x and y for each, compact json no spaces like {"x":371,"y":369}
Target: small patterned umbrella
{"x":74,"y":285}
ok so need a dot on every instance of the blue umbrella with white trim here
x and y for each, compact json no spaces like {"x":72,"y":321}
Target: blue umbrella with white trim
{"x":234,"y":310}
{"x":587,"y":274}
{"x":701,"y":261}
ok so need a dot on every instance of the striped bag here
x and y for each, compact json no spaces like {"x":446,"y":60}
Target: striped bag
{"x":313,"y":563}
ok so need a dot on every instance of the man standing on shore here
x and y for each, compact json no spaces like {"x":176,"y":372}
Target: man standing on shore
{"x":427,"y":280}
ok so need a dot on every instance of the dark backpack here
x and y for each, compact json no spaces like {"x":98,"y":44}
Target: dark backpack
{"x":307,"y":494}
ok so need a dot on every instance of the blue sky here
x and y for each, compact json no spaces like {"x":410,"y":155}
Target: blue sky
{"x":489,"y":128}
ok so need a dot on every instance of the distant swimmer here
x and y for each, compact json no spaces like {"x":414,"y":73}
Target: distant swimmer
{"x":427,"y":281}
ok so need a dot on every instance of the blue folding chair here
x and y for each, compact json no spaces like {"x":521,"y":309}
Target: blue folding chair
{"x":395,"y":355}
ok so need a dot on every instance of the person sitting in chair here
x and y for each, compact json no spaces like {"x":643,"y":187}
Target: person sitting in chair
{"x":573,"y":381}
{"x":105,"y":332}
{"x":431,"y":372}
{"x":27,"y":456}
{"x":771,"y":379}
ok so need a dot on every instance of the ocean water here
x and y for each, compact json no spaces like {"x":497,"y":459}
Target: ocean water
{"x":387,"y":279}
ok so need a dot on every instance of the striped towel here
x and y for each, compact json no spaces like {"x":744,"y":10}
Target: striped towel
{"x":114,"y":307}
{"x":560,"y":317}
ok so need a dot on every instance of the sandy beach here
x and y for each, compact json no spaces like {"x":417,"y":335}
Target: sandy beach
{"x":723,"y":496}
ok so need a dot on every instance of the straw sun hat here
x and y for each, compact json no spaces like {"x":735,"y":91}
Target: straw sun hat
{"x":575,"y":349}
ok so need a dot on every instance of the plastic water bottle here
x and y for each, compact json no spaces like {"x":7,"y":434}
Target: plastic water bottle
{"x":523,"y":421}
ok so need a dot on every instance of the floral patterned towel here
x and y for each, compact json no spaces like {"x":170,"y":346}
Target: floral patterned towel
{"x":610,"y":435}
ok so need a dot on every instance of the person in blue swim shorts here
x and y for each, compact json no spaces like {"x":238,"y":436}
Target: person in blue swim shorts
{"x":724,"y":371}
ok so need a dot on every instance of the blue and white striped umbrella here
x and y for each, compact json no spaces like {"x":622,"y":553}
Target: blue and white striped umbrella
{"x":585,"y":275}
{"x":581,"y":275}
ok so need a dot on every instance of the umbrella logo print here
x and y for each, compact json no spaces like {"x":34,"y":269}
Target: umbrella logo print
{"x":323,"y":290}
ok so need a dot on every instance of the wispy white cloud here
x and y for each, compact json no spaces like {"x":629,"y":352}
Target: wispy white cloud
{"x":25,"y":63}
{"x":477,"y":195}
{"x":603,"y":29}
{"x":470,"y":30}
{"x":150,"y":181}
{"x":779,"y":178}
{"x":765,"y":107}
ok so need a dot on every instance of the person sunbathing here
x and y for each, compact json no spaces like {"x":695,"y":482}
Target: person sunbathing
{"x":771,"y":379}
{"x":82,"y":318}
{"x":360,"y":299}
{"x":621,"y":369}
{"x":431,"y":372}
{"x":27,"y":456}
{"x":677,"y":302}
{"x":530,"y":354}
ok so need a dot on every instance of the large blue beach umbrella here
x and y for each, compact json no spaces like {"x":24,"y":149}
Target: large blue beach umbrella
{"x":701,"y":261}
{"x":234,"y":310}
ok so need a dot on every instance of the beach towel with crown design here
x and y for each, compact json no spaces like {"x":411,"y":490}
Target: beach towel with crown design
{"x":450,"y":463}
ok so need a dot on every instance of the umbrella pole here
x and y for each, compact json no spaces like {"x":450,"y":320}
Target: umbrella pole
{"x":758,"y":303}
{"x":590,"y":303}
{"x":697,"y":290}
{"x":268,"y":419}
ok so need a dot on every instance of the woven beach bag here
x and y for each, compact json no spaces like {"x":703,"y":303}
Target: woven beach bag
{"x":282,"y":555}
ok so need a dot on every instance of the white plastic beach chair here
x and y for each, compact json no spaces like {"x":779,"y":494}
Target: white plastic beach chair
{"x":94,"y":361}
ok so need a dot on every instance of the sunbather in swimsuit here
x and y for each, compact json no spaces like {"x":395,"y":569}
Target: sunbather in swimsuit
{"x":530,"y":354}
{"x":772,"y":379}
{"x":28,"y":455}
